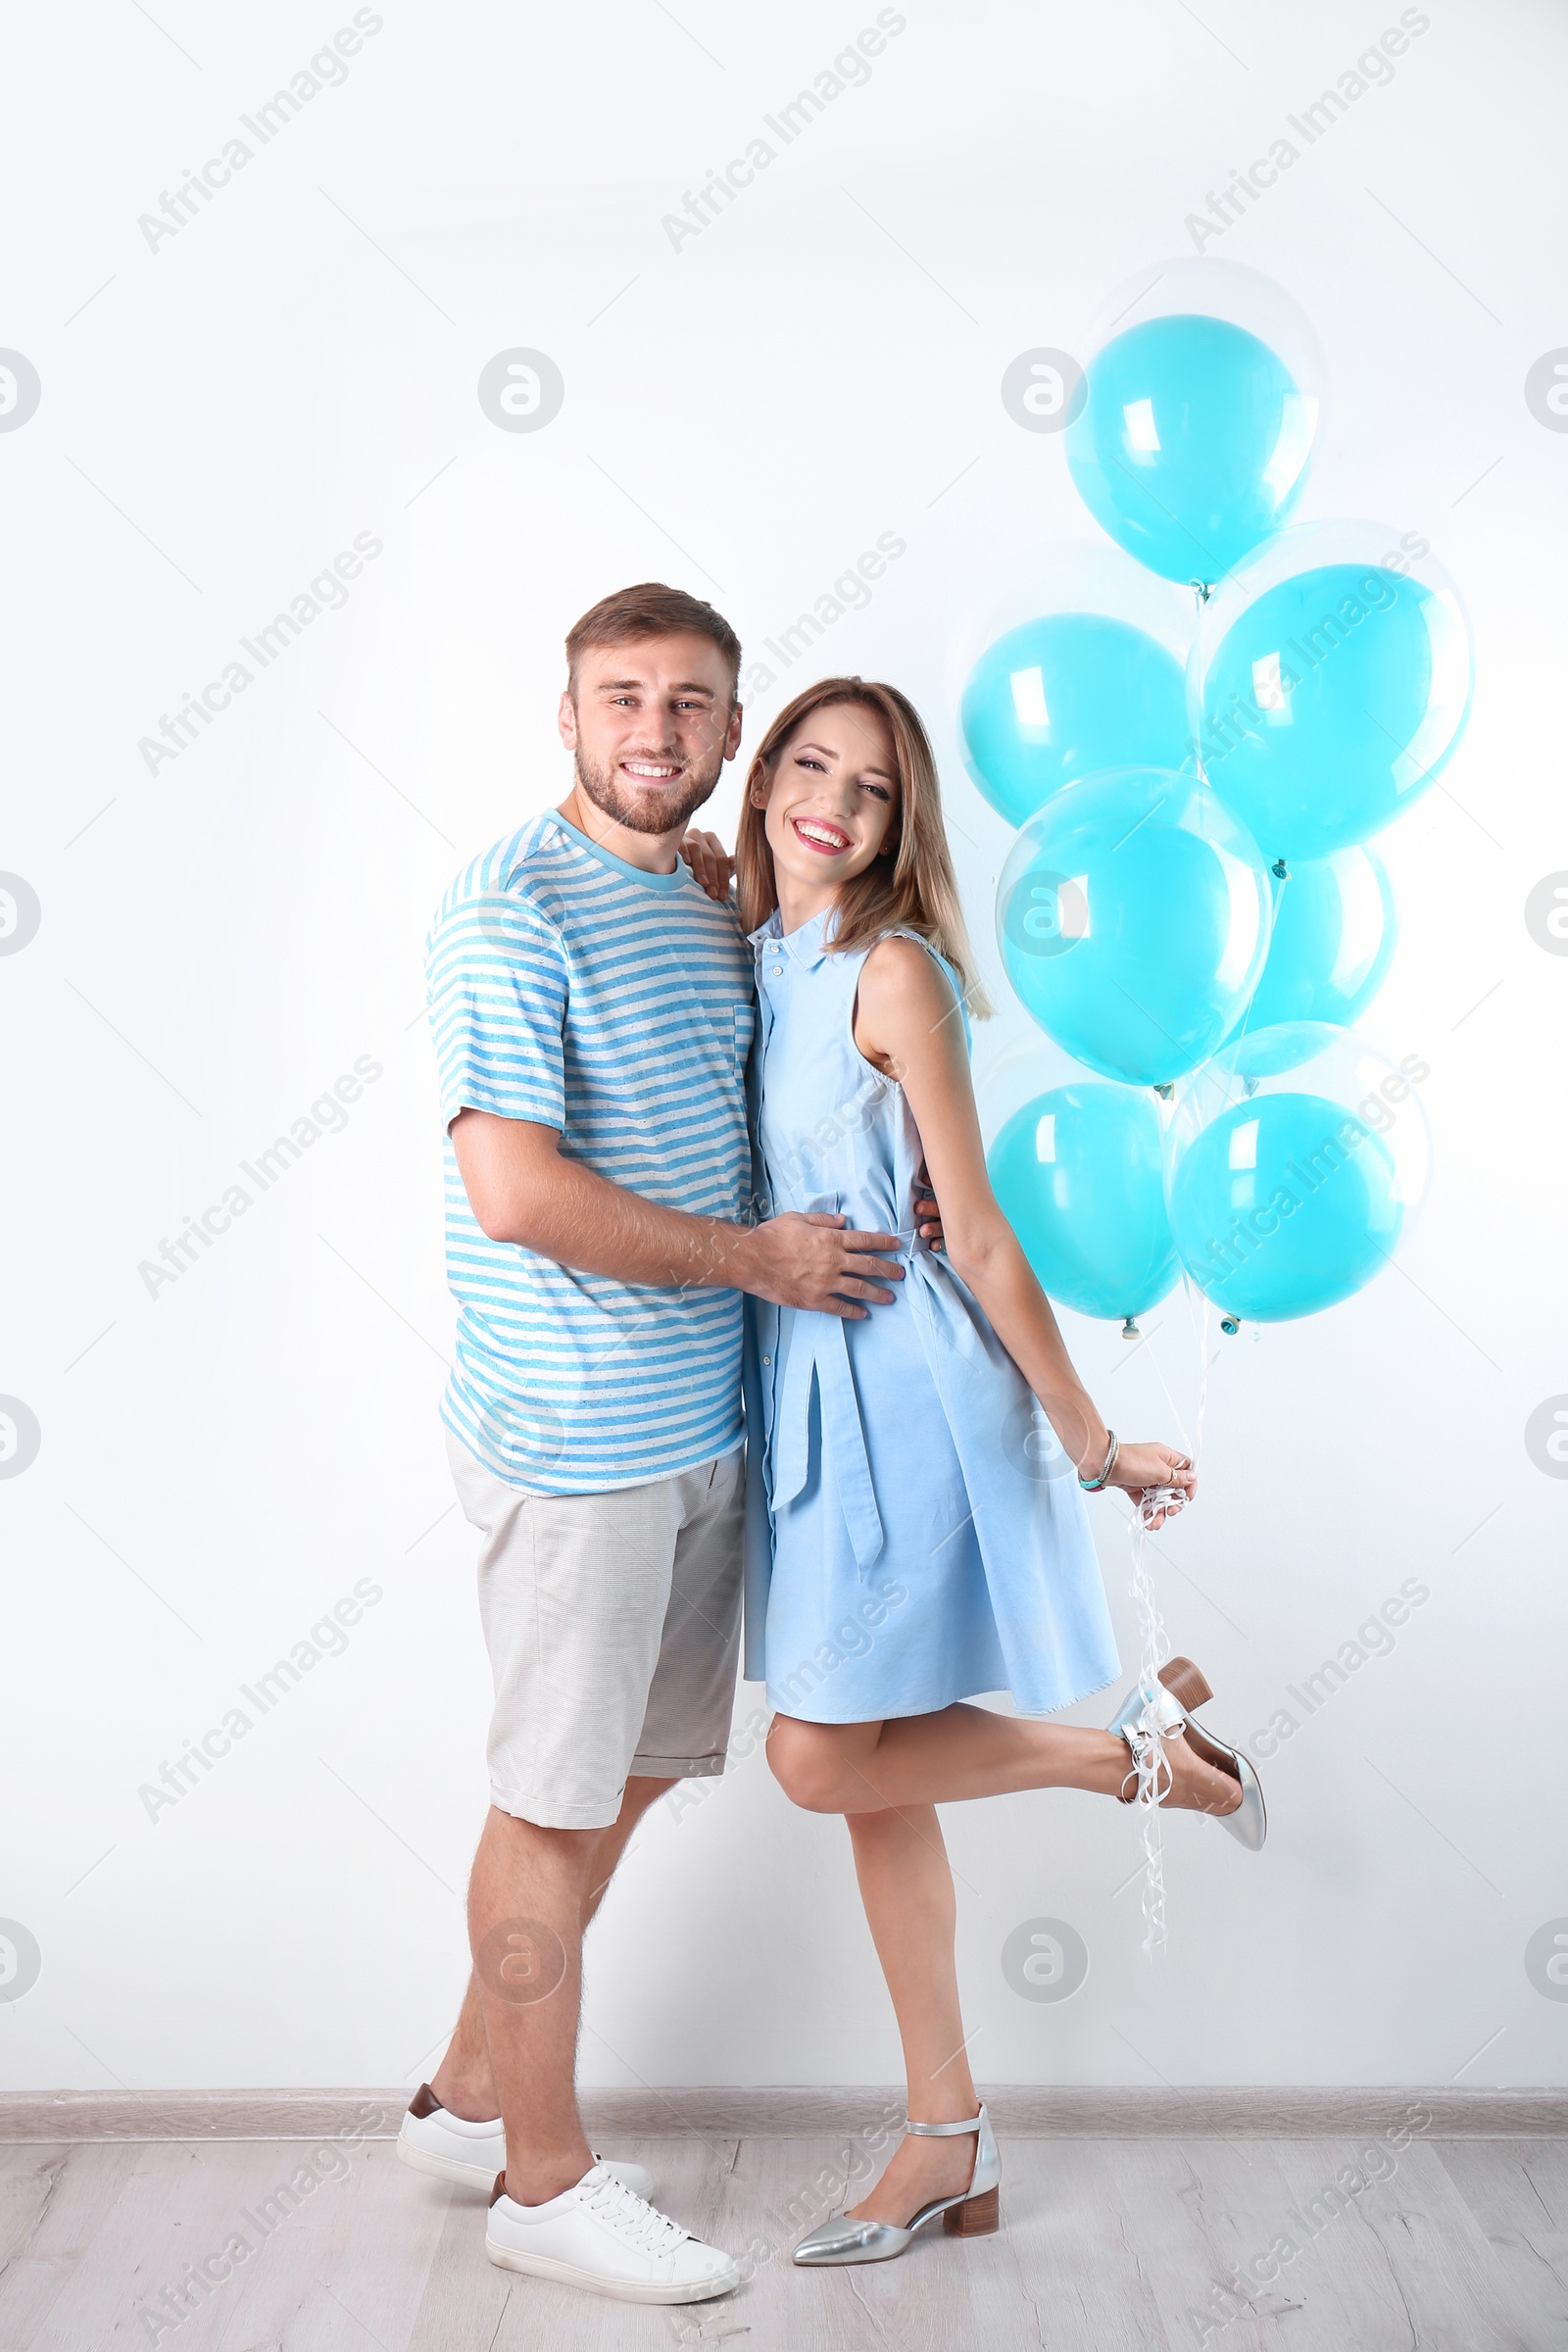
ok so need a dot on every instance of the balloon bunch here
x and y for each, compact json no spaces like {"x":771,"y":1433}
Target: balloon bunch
{"x":1191,"y":908}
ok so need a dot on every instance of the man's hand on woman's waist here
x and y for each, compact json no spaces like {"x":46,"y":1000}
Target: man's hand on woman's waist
{"x":523,"y":1190}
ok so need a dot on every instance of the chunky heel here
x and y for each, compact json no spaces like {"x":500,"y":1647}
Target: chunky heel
{"x":976,"y":2217}
{"x":975,"y":2212}
{"x":1186,"y":1683}
{"x":1182,"y":1687}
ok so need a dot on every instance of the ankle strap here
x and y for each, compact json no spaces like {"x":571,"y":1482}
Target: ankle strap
{"x":946,"y":2131}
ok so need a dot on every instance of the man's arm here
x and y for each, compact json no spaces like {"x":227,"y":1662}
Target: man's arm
{"x":522,"y":1190}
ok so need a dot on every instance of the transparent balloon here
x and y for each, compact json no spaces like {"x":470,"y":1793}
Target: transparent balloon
{"x":1026,"y":577}
{"x":1133,"y":920}
{"x":1063,"y":697}
{"x":1295,"y":1165}
{"x":1333,"y":938}
{"x":1013,"y":1061}
{"x":1078,"y":1173}
{"x":1329,"y":684}
{"x":1204,"y":390}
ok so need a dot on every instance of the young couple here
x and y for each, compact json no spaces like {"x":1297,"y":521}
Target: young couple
{"x":907,"y":1480}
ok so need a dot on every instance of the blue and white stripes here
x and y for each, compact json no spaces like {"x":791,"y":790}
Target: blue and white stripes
{"x":573,"y":990}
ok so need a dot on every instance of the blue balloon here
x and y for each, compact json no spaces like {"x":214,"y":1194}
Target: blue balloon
{"x":1133,"y":919}
{"x":1285,"y":1205}
{"x":1079,"y":1176}
{"x":1333,"y":938}
{"x":1193,"y":444}
{"x":1331,"y":703}
{"x":1065,"y":696}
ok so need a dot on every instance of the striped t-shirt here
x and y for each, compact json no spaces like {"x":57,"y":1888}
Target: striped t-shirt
{"x":571,"y":989}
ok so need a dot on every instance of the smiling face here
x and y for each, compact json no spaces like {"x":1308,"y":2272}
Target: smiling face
{"x":651,"y":723}
{"x":832,"y":804}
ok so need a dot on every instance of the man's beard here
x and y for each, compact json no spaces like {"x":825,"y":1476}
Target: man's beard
{"x":655,"y":810}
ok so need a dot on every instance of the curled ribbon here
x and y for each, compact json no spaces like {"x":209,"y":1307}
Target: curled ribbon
{"x":1148,"y":1754}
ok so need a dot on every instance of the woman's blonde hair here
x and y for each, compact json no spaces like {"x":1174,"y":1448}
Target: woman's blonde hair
{"x":910,"y":886}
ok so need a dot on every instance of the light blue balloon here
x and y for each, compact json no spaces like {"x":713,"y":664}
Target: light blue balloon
{"x":1065,"y":696}
{"x":1331,"y":704}
{"x":1283,"y":1205}
{"x":1193,"y":442}
{"x":1078,"y":1173}
{"x":1133,"y":918}
{"x":1334,"y":935}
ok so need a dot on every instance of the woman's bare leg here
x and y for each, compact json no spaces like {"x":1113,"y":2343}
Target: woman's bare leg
{"x":887,"y":1779}
{"x":964,"y":1751}
{"x":906,"y":1887}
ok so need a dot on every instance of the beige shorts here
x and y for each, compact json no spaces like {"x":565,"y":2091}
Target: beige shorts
{"x":612,"y":1623}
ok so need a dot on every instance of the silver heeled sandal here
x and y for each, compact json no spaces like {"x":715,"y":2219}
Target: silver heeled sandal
{"x":1184,"y":1688}
{"x":973,"y":2213}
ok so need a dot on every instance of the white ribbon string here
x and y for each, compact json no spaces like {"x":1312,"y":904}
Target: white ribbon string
{"x":1148,"y":1755}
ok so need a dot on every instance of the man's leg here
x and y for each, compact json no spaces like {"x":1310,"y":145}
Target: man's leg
{"x":464,"y":2082}
{"x":688,"y":1711}
{"x":527,"y":1897}
{"x":602,"y":1612}
{"x":573,"y":1590}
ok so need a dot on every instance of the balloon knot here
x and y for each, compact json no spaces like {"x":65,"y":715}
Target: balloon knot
{"x":1165,"y":1092}
{"x":1130,"y":1330}
{"x":1229,"y":1325}
{"x":1280,"y":870}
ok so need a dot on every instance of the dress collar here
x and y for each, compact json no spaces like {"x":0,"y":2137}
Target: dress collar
{"x":805,"y":947}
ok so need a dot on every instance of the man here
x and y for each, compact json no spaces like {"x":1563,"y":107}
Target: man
{"x":593,"y":1013}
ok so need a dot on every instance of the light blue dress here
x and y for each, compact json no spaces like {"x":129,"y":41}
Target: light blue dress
{"x":916,"y":1534}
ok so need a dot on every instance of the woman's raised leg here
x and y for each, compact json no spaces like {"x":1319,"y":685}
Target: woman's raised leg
{"x":963,"y":1752}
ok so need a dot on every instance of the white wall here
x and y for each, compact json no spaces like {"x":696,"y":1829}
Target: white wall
{"x":220,"y":1464}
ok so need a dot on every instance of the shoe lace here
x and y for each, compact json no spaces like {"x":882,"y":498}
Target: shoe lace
{"x":632,"y":2217}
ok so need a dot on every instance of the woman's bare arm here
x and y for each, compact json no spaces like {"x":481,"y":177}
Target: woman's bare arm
{"x":908,"y":1024}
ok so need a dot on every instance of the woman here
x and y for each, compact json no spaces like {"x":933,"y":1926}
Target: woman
{"x":923,"y":1455}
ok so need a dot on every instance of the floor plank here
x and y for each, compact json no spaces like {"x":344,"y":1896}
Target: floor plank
{"x":308,"y":2270}
{"x":1066,"y":2272}
{"x":52,"y":2204}
{"x":1437,"y":2237}
{"x":1106,"y":2245}
{"x":780,"y":2189}
{"x":1518,"y":2193}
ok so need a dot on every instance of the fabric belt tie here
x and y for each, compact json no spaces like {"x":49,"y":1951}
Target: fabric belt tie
{"x":818,"y":1345}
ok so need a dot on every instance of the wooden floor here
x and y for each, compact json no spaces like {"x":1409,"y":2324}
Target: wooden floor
{"x":1106,"y":2245}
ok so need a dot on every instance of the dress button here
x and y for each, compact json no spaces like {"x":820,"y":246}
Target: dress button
{"x":767,"y":1359}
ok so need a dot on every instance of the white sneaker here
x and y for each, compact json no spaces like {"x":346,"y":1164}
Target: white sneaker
{"x":432,"y":2140}
{"x":602,"y":2236}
